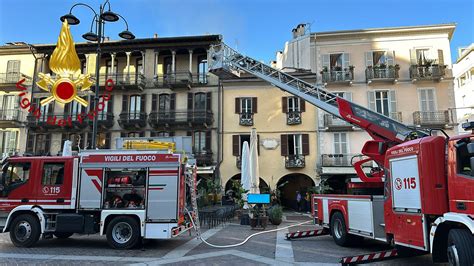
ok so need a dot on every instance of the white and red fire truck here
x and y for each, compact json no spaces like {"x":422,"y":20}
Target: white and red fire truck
{"x":126,"y":195}
{"x":428,"y":181}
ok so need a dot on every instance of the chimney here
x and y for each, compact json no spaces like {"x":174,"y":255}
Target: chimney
{"x":155,"y":35}
{"x":300,"y":29}
{"x":293,"y":32}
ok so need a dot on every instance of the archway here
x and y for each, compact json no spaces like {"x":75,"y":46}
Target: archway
{"x":289,"y":184}
{"x":263,"y":186}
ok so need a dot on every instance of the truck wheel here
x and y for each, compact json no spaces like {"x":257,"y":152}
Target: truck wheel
{"x":62,"y":235}
{"x":339,"y":232}
{"x":25,"y":230}
{"x":123,"y":232}
{"x":460,"y":247}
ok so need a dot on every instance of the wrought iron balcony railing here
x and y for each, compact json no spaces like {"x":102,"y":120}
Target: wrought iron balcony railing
{"x":181,"y":118}
{"x":433,"y":72}
{"x":389,"y":73}
{"x":203,"y":158}
{"x":8,"y":79}
{"x":431,"y":118}
{"x":293,"y":118}
{"x":246,"y":119}
{"x":13,"y":115}
{"x":129,"y":120}
{"x":125,"y":80}
{"x":104,"y":120}
{"x":174,"y":80}
{"x":337,"y":76}
{"x":341,"y":159}
{"x":294,"y":161}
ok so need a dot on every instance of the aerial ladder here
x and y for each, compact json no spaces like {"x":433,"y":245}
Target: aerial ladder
{"x":386,"y":132}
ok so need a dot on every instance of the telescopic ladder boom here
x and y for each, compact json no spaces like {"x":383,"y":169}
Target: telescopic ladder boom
{"x":228,"y":63}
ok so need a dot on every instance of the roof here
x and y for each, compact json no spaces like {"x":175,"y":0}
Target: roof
{"x":465,"y":52}
{"x":449,"y":27}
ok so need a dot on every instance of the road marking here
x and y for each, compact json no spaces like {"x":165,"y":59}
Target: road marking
{"x":283,"y":249}
{"x":182,"y":250}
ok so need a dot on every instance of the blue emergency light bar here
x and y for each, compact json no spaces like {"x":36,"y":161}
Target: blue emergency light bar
{"x":258,"y":198}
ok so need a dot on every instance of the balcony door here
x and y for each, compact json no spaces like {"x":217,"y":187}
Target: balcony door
{"x":427,"y":105}
{"x":10,"y":107}
{"x":108,"y":70}
{"x":139,"y":68}
{"x":202,"y":69}
{"x":341,"y":148}
{"x":135,"y":107}
{"x":383,"y":102}
{"x":8,"y":142}
{"x":13,"y":71}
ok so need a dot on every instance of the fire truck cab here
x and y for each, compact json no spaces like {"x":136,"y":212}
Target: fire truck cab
{"x":125,"y":194}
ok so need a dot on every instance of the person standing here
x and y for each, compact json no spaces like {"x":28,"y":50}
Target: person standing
{"x":308,"y":201}
{"x":299,"y":199}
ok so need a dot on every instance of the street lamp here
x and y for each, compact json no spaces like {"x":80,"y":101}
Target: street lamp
{"x":97,"y":36}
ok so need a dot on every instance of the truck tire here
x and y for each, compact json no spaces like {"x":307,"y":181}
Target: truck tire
{"x":62,"y":235}
{"x":25,"y":230}
{"x":460,"y":247}
{"x":123,"y":232}
{"x":339,"y":231}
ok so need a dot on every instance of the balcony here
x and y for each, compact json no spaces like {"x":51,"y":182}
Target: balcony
{"x":200,"y":79}
{"x":333,"y":123}
{"x":133,"y":120}
{"x":51,"y":121}
{"x":426,"y":73}
{"x":246,"y":119}
{"x":341,"y":159}
{"x":176,"y":80}
{"x":104,"y":120}
{"x":8,"y":80}
{"x":132,"y":81}
{"x":181,"y":118}
{"x":382,"y":74}
{"x":338,"y":77}
{"x":293,"y":118}
{"x":11,"y":118}
{"x":74,"y":121}
{"x":294,"y":161}
{"x":436,"y":119}
{"x":203,"y":158}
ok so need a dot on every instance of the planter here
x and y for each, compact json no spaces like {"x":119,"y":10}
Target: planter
{"x":253,"y":222}
{"x":276,"y":221}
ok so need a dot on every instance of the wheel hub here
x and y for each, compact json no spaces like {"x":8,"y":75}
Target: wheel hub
{"x":23,"y":231}
{"x":338,"y":228}
{"x":122,"y":233}
{"x":453,"y":257}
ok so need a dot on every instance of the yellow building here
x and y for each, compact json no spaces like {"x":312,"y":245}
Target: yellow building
{"x":17,"y":63}
{"x":286,"y":128}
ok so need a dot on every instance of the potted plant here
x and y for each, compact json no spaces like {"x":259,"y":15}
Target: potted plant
{"x":263,"y":220}
{"x":254,"y":214}
{"x":276,"y":215}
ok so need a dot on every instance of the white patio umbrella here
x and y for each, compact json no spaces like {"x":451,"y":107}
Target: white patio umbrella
{"x":245,"y":171}
{"x":253,"y":163}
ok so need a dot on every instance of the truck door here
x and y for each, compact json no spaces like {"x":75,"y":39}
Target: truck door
{"x":162,"y":199}
{"x":461,"y":176}
{"x":55,"y":185}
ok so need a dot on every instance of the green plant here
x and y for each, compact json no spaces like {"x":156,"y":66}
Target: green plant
{"x":383,"y":65}
{"x":276,"y":213}
{"x":237,"y":191}
{"x":351,"y":68}
{"x":321,"y":188}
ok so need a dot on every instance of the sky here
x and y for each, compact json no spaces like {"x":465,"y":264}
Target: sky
{"x":257,"y":28}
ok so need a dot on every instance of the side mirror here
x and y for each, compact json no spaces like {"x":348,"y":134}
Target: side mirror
{"x":382,"y":148}
{"x":470,"y":148}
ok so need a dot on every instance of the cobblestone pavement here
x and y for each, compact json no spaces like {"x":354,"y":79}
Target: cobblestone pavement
{"x":264,"y":249}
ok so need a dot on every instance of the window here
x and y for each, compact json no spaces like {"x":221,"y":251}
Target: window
{"x":103,"y":140}
{"x":139,"y":66}
{"x":427,"y":100}
{"x":379,"y":58}
{"x":200,"y":101}
{"x":8,"y":142}
{"x":9,"y":103}
{"x":83,"y":67}
{"x":108,"y":70}
{"x":336,"y":61}
{"x":77,"y":140}
{"x":199,"y":142}
{"x":135,"y":107}
{"x":246,"y":105}
{"x":238,"y":142}
{"x":341,"y":147}
{"x":44,"y":110}
{"x":293,"y":104}
{"x":167,"y":64}
{"x":17,"y":173}
{"x":134,"y":134}
{"x":464,"y":157}
{"x":42,"y":144}
{"x":294,"y":144}
{"x":164,"y":102}
{"x":13,"y":70}
{"x":422,"y":56}
{"x":383,"y":102}
{"x":164,"y":134}
{"x":102,"y":115}
{"x":202,"y":69}
{"x":75,"y":109}
{"x":53,"y":174}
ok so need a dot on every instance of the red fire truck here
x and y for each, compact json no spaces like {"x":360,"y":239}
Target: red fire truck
{"x":428,"y":181}
{"x":125,"y":194}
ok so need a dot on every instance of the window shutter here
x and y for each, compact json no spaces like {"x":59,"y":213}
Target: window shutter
{"x":154,"y":102}
{"x":208,"y":140}
{"x":124,"y":103}
{"x":325,"y":60}
{"x":284,"y":104}
{"x":172,"y":101}
{"x":284,"y":144}
{"x":440,"y":57}
{"x":190,"y":101}
{"x":254,"y":105}
{"x":305,"y":143}
{"x":107,"y":140}
{"x":237,"y":105}
{"x":209,"y":101}
{"x":390,"y":58}
{"x":346,"y":61}
{"x":371,"y":100}
{"x":413,"y":56}
{"x":302,"y":105}
{"x":235,"y":145}
{"x":110,"y":105}
{"x":393,"y":102}
{"x":369,"y":59}
{"x":142,"y":103}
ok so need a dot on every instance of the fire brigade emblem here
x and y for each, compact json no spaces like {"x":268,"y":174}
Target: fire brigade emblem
{"x":398,"y":183}
{"x":65,"y":63}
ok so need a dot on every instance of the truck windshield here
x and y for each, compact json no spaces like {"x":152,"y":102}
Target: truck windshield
{"x":16,"y":173}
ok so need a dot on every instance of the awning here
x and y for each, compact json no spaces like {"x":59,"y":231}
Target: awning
{"x":206,"y":170}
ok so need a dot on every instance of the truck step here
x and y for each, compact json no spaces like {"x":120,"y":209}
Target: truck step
{"x":370,"y":257}
{"x":309,"y":233}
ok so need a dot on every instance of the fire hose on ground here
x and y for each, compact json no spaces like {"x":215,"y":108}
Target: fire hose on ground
{"x":245,"y":240}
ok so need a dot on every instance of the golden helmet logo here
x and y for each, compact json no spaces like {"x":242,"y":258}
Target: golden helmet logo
{"x":65,"y":63}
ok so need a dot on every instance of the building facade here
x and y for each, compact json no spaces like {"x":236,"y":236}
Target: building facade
{"x":17,"y":63}
{"x":463,"y":72}
{"x":161,"y":88}
{"x":286,"y":134}
{"x":404,"y":73}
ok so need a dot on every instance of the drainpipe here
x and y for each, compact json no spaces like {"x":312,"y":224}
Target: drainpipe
{"x":220,"y":124}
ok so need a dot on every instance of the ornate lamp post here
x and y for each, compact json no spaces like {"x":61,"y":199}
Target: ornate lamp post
{"x":99,"y":18}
